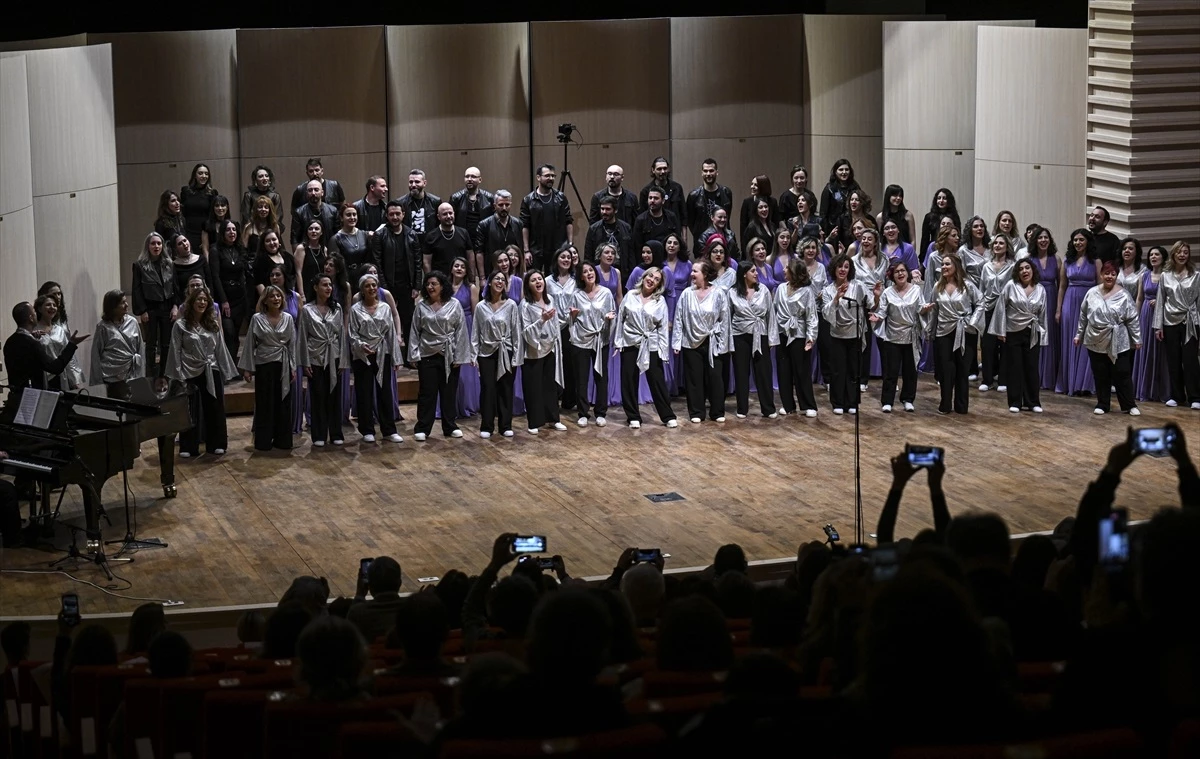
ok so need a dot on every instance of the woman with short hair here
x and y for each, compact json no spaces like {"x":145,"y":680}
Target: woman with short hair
{"x":1019,"y":320}
{"x":897,"y":323}
{"x":846,"y":303}
{"x":118,"y":354}
{"x":641,"y":337}
{"x":198,"y":358}
{"x":439,"y":344}
{"x":591,"y":314}
{"x":496,"y":338}
{"x":1108,"y":328}
{"x":374,"y":347}
{"x":755,"y":332}
{"x":702,"y":336}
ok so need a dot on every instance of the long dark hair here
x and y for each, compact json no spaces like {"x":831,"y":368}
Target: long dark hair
{"x":1137,"y":252}
{"x":447,"y":289}
{"x":503,"y":293}
{"x":61,"y":301}
{"x":1051,"y":250}
{"x":529,"y":293}
{"x":194,"y":186}
{"x":163,"y":200}
{"x":1089,"y":252}
{"x":797,"y":272}
{"x":833,"y":177}
{"x":739,"y":282}
{"x":219,"y":200}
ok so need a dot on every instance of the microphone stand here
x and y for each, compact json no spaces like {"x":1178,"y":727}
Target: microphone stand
{"x":130,"y":542}
{"x":859,"y":533}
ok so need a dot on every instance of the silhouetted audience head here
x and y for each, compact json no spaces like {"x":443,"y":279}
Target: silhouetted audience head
{"x":170,"y":655}
{"x":735,"y":595}
{"x":1167,"y":573}
{"x":484,"y":679}
{"x":777,"y":619}
{"x":14,"y":639}
{"x":251,"y":626}
{"x":384,"y":576}
{"x":644,"y":588}
{"x":510,"y":605}
{"x":729,"y":558}
{"x":569,"y":638}
{"x":624,"y":646}
{"x":693,"y":637}
{"x":980,"y":540}
{"x":147,"y":622}
{"x":332,"y":656}
{"x":453,"y":589}
{"x":283,"y":629}
{"x":422,"y":626}
{"x":311,"y":592}
{"x":93,"y":645}
{"x":1033,"y":559}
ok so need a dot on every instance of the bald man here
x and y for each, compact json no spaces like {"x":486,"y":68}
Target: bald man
{"x":472,"y":204}
{"x":624,"y":201}
{"x":446,"y":242}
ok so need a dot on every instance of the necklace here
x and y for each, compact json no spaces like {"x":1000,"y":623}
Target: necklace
{"x":658,"y":223}
{"x":443,"y":233}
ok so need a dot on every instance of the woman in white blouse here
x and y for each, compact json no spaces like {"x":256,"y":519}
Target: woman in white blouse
{"x":542,"y":372}
{"x":592,"y":310}
{"x":846,"y":304}
{"x":374,"y":348}
{"x":497,"y":344}
{"x":1109,"y":329}
{"x":641,"y":335}
{"x":56,"y":336}
{"x":797,"y":317}
{"x":755,"y":332}
{"x":897,"y":323}
{"x":993,"y":278}
{"x":1177,"y":324}
{"x":199,"y":358}
{"x":439,"y":345}
{"x":1019,"y":321}
{"x":701,"y":335}
{"x":118,"y":354}
{"x":269,"y":358}
{"x":957,"y":308}
{"x":870,"y":268}
{"x":322,"y":345}
{"x":560,"y":287}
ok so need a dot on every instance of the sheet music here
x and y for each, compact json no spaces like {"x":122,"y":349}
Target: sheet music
{"x":37,"y":408}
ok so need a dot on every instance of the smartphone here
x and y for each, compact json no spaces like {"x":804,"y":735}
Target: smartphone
{"x":885,"y":562}
{"x":858,"y":549}
{"x":529,"y":544}
{"x":545,"y":562}
{"x":1114,"y":540}
{"x":364,"y":566}
{"x":643,"y":555}
{"x":831,"y":533}
{"x":1157,"y":442}
{"x":70,"y":608}
{"x":924,"y":455}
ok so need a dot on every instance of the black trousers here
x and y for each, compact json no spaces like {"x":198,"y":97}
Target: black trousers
{"x":583,"y":358}
{"x":156,"y":334}
{"x":272,"y":411}
{"x":325,"y":401}
{"x":1183,"y":365}
{"x":703,"y":382}
{"x":567,"y":392}
{"x":495,"y":395}
{"x":746,"y":360}
{"x":541,"y":391}
{"x":240,"y":308}
{"x":795,"y":374}
{"x":654,"y":378}
{"x":209,"y":411}
{"x":844,"y":359}
{"x":435,"y":385}
{"x":1021,"y":371}
{"x":371,"y":396}
{"x":1108,"y":374}
{"x":404,"y":304}
{"x":824,"y":341}
{"x":971,"y":345}
{"x":898,"y":363}
{"x":993,"y":370}
{"x":954,"y":366}
{"x":864,"y":366}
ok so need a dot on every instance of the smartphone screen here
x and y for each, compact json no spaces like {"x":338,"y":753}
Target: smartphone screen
{"x":529,"y":544}
{"x":923,"y":455}
{"x":647,"y":554}
{"x":1114,"y":539}
{"x":884,"y":563}
{"x":70,"y":607}
{"x":1156,"y":442}
{"x":364,"y":566}
{"x":545,"y":562}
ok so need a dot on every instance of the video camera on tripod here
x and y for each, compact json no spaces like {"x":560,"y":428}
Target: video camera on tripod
{"x":565,"y":131}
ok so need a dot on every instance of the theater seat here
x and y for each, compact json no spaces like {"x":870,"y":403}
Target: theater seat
{"x":310,"y":730}
{"x":96,"y":692}
{"x":233,"y":722}
{"x":614,"y":744}
{"x":660,"y":684}
{"x":1103,"y":744}
{"x":182,"y":705}
{"x":377,"y":740}
{"x":440,"y":688}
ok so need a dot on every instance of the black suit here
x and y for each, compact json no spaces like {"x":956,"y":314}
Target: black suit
{"x":28,"y":364}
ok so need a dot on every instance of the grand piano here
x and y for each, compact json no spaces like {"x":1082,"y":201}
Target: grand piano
{"x":99,"y":436}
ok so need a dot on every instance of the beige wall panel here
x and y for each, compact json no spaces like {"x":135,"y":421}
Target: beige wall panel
{"x":506,"y":168}
{"x":77,"y":247}
{"x":737,"y":77}
{"x":16,"y":189}
{"x":18,"y":264}
{"x":916,"y":54}
{"x":336,"y":107}
{"x":1051,"y":195}
{"x":49,"y":43}
{"x":1013,"y":63}
{"x":843,"y":74}
{"x":922,"y":172}
{"x":864,"y":153}
{"x":350,"y":170}
{"x":609,"y":78}
{"x":486,"y":104}
{"x":175,"y":95}
{"x":72,"y":144}
{"x":738,"y":160}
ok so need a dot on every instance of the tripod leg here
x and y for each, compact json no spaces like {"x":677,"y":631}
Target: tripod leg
{"x":166,"y":463}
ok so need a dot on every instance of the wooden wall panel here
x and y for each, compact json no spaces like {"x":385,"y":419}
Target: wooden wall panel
{"x":1043,"y":193}
{"x":18,"y":264}
{"x":475,"y":91}
{"x":175,"y":95}
{"x":16,"y":191}
{"x":350,"y":170}
{"x":335,"y":105}
{"x":609,"y":78}
{"x":506,"y":168}
{"x":1011,"y":123}
{"x":737,"y":77}
{"x":922,"y":172}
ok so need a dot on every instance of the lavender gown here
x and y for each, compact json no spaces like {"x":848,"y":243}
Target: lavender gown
{"x":468,"y":376}
{"x":1049,"y":359}
{"x":1150,"y":381}
{"x":678,"y":280}
{"x":1075,"y":369}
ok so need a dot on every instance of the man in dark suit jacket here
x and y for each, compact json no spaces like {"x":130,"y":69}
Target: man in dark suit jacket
{"x":334,"y":195}
{"x":27,"y":362}
{"x":375,"y":617}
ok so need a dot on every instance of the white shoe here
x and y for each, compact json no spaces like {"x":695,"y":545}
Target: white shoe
{"x":484,"y":434}
{"x":1002,"y":388}
{"x":853,"y":410}
{"x":601,"y":421}
{"x":1098,"y":412}
{"x":419,"y":437}
{"x":507,"y":433}
{"x":635,"y":425}
{"x":368,"y":438}
{"x":456,"y":433}
{"x":719,"y":419}
{"x":1172,"y":404}
{"x":582,"y":421}
{"x":983,"y":388}
{"x":533,"y":430}
{"x":560,"y":426}
{"x":695,"y":420}
{"x":395,"y":437}
{"x":887,"y":409}
{"x":1037,"y":409}
{"x":218,"y":451}
{"x":838,"y":412}
{"x":741,"y":416}
{"x":1196,"y":405}
{"x":184,"y":455}
{"x":1014,"y":409}
{"x":973,"y":377}
{"x":908,"y":406}
{"x":672,"y":423}
{"x":810,"y":413}
{"x":781,"y":412}
{"x":774,"y":415}
{"x":862,"y":388}
{"x":339,"y":442}
{"x":318,"y":444}
{"x":1135,"y":411}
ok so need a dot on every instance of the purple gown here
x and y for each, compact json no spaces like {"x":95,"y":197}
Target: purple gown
{"x":1150,"y":381}
{"x":678,"y":280}
{"x":1048,"y":363}
{"x":1075,"y":369}
{"x":468,"y":376}
{"x":516,"y":292}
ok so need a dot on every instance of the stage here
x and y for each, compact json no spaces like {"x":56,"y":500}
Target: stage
{"x":244,"y":524}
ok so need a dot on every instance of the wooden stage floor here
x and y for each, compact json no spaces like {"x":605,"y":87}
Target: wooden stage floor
{"x":246,"y":523}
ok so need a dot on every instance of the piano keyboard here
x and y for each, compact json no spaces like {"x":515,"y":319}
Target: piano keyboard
{"x":32,"y":466}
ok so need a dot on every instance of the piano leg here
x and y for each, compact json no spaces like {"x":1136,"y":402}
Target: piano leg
{"x":166,"y":463}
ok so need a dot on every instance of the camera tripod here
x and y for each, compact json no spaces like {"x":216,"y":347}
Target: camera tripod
{"x":564,"y":136}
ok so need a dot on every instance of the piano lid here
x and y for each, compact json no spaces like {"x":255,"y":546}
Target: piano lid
{"x":129,"y":401}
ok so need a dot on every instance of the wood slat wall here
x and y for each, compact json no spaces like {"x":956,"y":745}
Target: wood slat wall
{"x":18,"y":269}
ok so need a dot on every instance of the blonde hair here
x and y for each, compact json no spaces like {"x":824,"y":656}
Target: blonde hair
{"x":662,"y":281}
{"x":262,"y":304}
{"x":1178,"y":246}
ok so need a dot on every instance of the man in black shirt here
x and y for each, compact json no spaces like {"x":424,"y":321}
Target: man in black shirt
{"x":546,"y":220}
{"x":372,"y":206}
{"x":447,"y":242}
{"x":610,"y":230}
{"x":624,"y":201}
{"x":398,"y":251}
{"x":420,"y":207}
{"x":1108,"y":245}
{"x":672,"y":192}
{"x":655,"y":223}
{"x":472,"y":204}
{"x":499,"y":230}
{"x":704,"y":199}
{"x":27,"y":361}
{"x":331,"y":191}
{"x":314,"y":210}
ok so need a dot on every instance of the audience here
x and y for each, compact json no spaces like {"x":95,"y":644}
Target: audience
{"x":422,"y":626}
{"x":147,"y":622}
{"x":374,"y":618}
{"x":283,"y":630}
{"x":332,"y":657}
